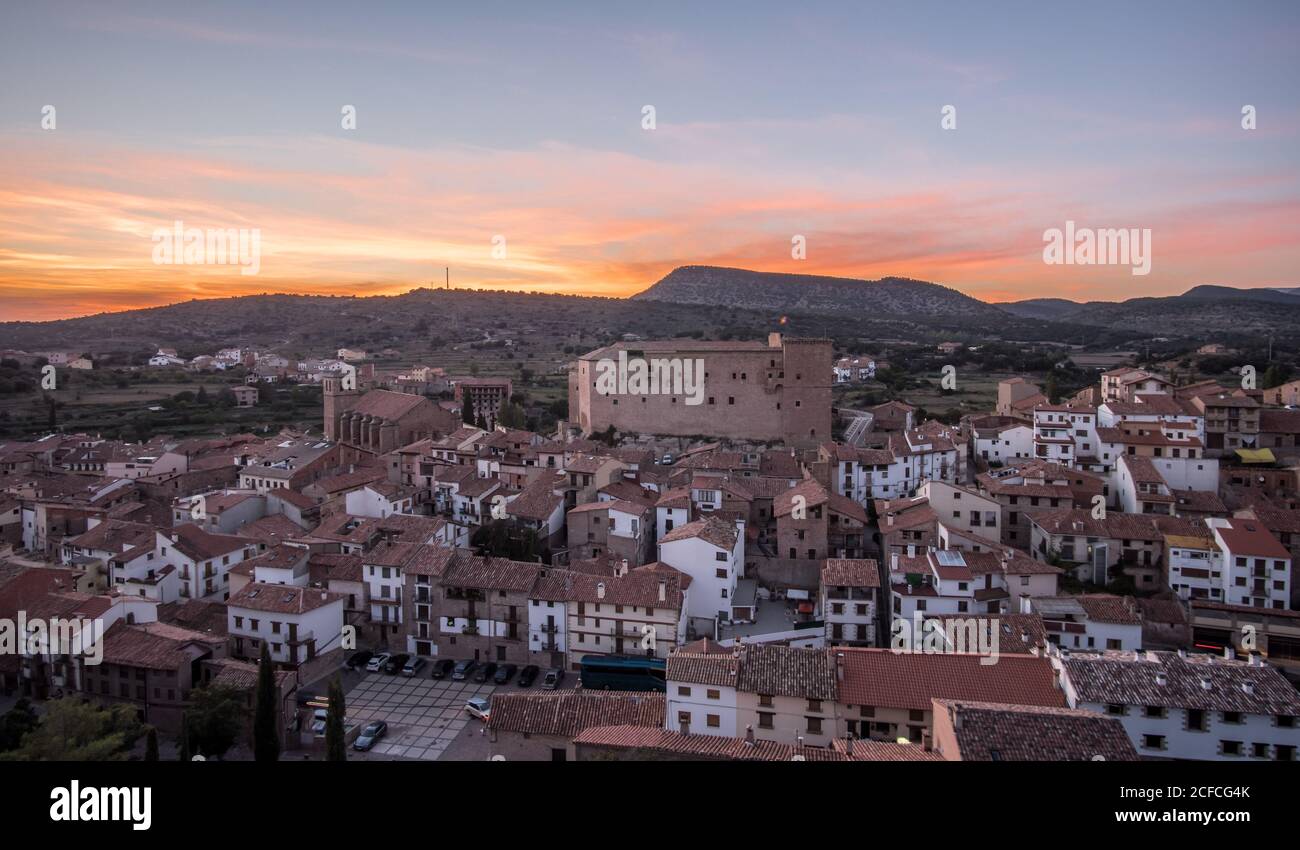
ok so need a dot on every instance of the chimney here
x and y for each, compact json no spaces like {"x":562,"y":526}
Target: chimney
{"x":839,"y":666}
{"x":893,"y":560}
{"x":663,"y":590}
{"x":623,"y":569}
{"x":600,"y":590}
{"x":1248,"y":688}
{"x":889,"y":519}
{"x":927,"y":743}
{"x":1162,"y":679}
{"x":749,"y":735}
{"x":1229,"y":654}
{"x":1206,"y":684}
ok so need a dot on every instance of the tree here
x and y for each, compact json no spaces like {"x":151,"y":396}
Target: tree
{"x":1050,"y":389}
{"x":80,"y":731}
{"x":183,"y":747}
{"x":466,"y":411}
{"x":336,"y":746}
{"x":151,"y":745}
{"x":266,"y":733}
{"x":216,"y":718}
{"x":16,"y":723}
{"x":481,"y":423}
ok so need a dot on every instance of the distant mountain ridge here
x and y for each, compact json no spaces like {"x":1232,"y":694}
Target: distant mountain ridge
{"x":784,"y":293}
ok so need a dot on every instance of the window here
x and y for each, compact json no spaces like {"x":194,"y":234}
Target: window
{"x":1230,"y":748}
{"x":765,"y":720}
{"x":683,"y":691}
{"x":814,"y":725}
{"x":1153,"y":742}
{"x":713,"y":721}
{"x":712,"y":693}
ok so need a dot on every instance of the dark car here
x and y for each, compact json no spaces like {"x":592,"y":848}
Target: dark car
{"x":442,"y":669}
{"x":370,"y":735}
{"x":486,"y":672}
{"x":359,"y":659}
{"x":463,"y":670}
{"x":527,"y":676}
{"x":504,"y":673}
{"x":397,"y":662}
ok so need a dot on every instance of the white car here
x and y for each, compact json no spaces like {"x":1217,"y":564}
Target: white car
{"x":478,"y":707}
{"x":319,"y":719}
{"x":377,"y":661}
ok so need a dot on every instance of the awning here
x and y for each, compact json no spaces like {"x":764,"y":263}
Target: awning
{"x":1256,"y":455}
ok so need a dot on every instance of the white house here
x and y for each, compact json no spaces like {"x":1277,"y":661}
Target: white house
{"x":1256,"y":567}
{"x":702,"y":698}
{"x":712,"y":552}
{"x":380,"y":499}
{"x":297,"y":623}
{"x":1089,"y":621}
{"x":1175,"y":705}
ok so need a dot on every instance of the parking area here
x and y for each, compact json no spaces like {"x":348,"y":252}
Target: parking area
{"x":424,"y":715}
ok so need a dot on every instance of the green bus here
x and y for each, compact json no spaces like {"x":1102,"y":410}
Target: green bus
{"x":622,"y":673}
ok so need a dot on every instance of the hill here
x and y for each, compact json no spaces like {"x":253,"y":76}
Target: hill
{"x":787,"y":293}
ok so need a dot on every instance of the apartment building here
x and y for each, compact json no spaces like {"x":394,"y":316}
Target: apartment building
{"x":849,"y":600}
{"x":1231,"y":420}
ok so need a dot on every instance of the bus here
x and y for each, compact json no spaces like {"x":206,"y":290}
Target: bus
{"x":622,"y":673}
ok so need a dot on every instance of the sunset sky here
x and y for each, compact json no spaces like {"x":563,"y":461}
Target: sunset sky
{"x":525,"y":121}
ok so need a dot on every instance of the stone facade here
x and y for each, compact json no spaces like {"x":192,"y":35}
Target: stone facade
{"x":774,"y":391}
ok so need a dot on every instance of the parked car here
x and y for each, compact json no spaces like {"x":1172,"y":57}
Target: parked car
{"x":377,"y":662}
{"x":359,"y":659}
{"x":487,"y":671}
{"x":413,"y":666}
{"x":395,"y":663}
{"x":553,"y":678}
{"x":478,"y":707}
{"x":318,"y":720}
{"x":666,"y":460}
{"x":504,"y":673}
{"x":527,"y":676}
{"x":463,"y":669}
{"x":370,"y":735}
{"x":442,"y":668}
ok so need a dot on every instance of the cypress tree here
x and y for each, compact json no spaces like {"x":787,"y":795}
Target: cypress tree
{"x":336,"y":748}
{"x":266,"y":735}
{"x":183,"y":750}
{"x":151,"y":745}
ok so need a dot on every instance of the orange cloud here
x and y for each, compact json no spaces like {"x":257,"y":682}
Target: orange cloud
{"x":341,"y":216}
